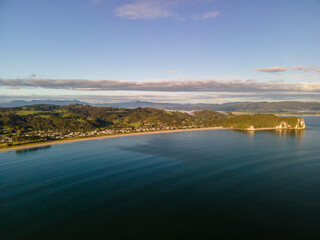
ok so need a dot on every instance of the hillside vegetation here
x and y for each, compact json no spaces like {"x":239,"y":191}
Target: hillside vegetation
{"x":256,"y":120}
{"x":84,"y":118}
{"x":51,"y":122}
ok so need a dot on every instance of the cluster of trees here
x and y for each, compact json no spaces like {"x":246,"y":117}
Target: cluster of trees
{"x":15,"y":123}
{"x":84,"y":118}
{"x":256,"y":120}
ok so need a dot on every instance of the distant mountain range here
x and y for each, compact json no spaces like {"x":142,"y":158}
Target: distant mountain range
{"x":21,"y":103}
{"x":286,"y":106}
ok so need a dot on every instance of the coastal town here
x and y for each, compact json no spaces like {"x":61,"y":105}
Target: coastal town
{"x":41,"y":136}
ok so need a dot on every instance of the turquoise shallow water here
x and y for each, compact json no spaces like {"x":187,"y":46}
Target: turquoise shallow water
{"x":220,"y":183}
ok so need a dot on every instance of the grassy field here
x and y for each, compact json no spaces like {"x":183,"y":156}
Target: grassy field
{"x":30,"y":112}
{"x":136,"y":124}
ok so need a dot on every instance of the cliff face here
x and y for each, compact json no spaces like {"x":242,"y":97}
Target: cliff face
{"x":300,"y":124}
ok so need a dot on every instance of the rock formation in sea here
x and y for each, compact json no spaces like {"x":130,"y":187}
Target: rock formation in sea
{"x":299,"y":125}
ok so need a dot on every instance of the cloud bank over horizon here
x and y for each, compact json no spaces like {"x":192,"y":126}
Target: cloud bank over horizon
{"x":276,"y":69}
{"x":302,"y":85}
{"x":209,"y":85}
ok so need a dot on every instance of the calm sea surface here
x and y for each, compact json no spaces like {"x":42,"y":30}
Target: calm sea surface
{"x":173,"y":185}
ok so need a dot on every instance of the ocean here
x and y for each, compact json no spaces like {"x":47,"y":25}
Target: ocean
{"x":215,"y":183}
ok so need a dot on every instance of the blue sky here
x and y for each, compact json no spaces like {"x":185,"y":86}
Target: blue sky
{"x":193,"y":44}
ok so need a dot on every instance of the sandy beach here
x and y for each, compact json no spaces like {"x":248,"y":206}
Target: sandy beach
{"x":35,"y":145}
{"x":43,"y":144}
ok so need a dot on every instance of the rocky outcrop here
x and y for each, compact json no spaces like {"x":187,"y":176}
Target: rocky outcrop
{"x":283,"y":125}
{"x":299,"y":125}
{"x":251,"y":128}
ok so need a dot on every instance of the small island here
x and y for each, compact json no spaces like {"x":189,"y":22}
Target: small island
{"x":48,"y":124}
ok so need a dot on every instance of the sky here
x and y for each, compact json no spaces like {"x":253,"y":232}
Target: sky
{"x":208,"y":51}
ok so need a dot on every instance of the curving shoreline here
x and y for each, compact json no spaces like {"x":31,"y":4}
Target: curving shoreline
{"x":71,"y":140}
{"x":43,"y":144}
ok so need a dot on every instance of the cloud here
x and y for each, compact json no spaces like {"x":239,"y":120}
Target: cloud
{"x":207,"y":15}
{"x":272,"y":69}
{"x":15,"y":88}
{"x":171,"y":71}
{"x":145,"y":9}
{"x":306,"y":69}
{"x":284,"y":69}
{"x":153,"y":9}
{"x":209,"y":85}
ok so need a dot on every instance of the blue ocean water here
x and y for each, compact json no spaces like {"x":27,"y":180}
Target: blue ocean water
{"x":217,"y":183}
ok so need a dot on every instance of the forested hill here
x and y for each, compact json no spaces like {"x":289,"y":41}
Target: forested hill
{"x":85,"y":118}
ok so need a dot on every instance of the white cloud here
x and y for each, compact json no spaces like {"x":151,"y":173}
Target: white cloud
{"x":272,"y":69}
{"x":207,"y":15}
{"x":306,"y":69}
{"x":153,"y":9}
{"x":145,"y":9}
{"x":284,"y":69}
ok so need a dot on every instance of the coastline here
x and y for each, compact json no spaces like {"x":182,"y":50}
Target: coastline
{"x":265,"y":129}
{"x":72,"y":140}
{"x":44,"y":144}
